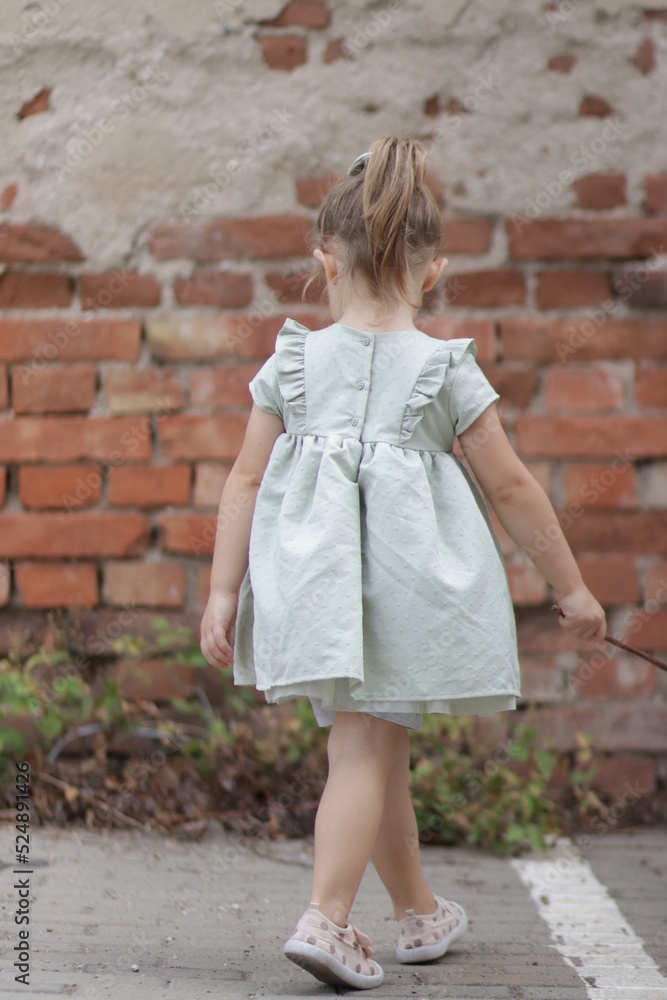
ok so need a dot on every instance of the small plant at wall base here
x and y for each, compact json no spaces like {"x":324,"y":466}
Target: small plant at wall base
{"x":102,"y":758}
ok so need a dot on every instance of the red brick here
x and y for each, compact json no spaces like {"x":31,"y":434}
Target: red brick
{"x":210,"y":477}
{"x":208,"y":287}
{"x":34,"y":291}
{"x":283,"y":52}
{"x":568,"y":289}
{"x":455,"y":106}
{"x":583,"y":339}
{"x":197,"y":437}
{"x":600,"y":191}
{"x":72,"y":339}
{"x":527,"y":586}
{"x":598,"y":485}
{"x":542,"y":679}
{"x":203,"y":585}
{"x":516,"y":384}
{"x":612,"y":578}
{"x":482,"y":331}
{"x":644,"y":57}
{"x":57,"y":389}
{"x":639,"y":726}
{"x":215,"y":388}
{"x":119,"y":290}
{"x":72,"y":487}
{"x":187,"y":534}
{"x":336,"y":49}
{"x":640,"y":288}
{"x":4,"y":394}
{"x":148,"y":390}
{"x":584,"y":239}
{"x":34,"y":105}
{"x":641,"y":532}
{"x":68,"y":439}
{"x":651,"y":386}
{"x":288,"y":286}
{"x":562,"y":62}
{"x":655,"y":186}
{"x":202,"y":338}
{"x":148,"y":584}
{"x":25,"y":243}
{"x":486,"y":288}
{"x":584,"y":389}
{"x":539,"y":633}
{"x":592,"y":104}
{"x":641,"y":437}
{"x":84,"y":536}
{"x":154,"y":680}
{"x":149,"y":486}
{"x":311,"y":190}
{"x":612,"y":774}
{"x":8,"y":196}
{"x":655,"y":585}
{"x":300,"y":13}
{"x":262,"y":236}
{"x":614,"y":678}
{"x":3,"y":484}
{"x":57,"y":585}
{"x":647,"y":629}
{"x":466,"y":236}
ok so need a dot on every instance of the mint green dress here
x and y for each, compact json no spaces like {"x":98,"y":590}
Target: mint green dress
{"x":375,"y":582}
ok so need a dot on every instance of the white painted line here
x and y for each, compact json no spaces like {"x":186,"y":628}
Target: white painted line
{"x":588,"y":929}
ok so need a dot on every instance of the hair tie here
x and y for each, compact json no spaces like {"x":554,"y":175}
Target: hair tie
{"x":358,"y":164}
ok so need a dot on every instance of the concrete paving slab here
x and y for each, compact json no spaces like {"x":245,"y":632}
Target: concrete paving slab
{"x":208,"y":919}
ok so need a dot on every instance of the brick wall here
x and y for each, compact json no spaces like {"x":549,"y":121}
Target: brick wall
{"x":123,"y":375}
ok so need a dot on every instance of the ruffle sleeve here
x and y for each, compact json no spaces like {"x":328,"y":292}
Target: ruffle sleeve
{"x":265,"y":390}
{"x":470,"y":392}
{"x":426,"y":388}
{"x":290,"y":363}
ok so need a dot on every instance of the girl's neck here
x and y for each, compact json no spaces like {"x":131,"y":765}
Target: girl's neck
{"x":360,"y":318}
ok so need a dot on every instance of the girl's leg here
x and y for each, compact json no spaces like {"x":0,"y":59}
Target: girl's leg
{"x":395,"y":853}
{"x":361,"y":752}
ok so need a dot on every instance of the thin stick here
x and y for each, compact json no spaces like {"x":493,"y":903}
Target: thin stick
{"x":624,"y":645}
{"x":88,"y":795}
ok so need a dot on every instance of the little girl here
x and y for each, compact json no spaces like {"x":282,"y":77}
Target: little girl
{"x":371,"y":581}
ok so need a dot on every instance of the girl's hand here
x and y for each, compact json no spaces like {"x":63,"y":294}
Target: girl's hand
{"x":581,"y":614}
{"x":216,"y":625}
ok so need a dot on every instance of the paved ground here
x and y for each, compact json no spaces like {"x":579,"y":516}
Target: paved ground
{"x":209,"y":920}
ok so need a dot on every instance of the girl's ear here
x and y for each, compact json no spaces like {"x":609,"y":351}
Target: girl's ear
{"x":434,"y":272}
{"x":329,"y":263}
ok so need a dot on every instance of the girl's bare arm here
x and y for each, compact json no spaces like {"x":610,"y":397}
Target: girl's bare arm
{"x":526,"y":514}
{"x":232,"y":538}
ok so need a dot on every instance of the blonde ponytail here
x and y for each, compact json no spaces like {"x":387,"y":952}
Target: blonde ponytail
{"x":383,"y":221}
